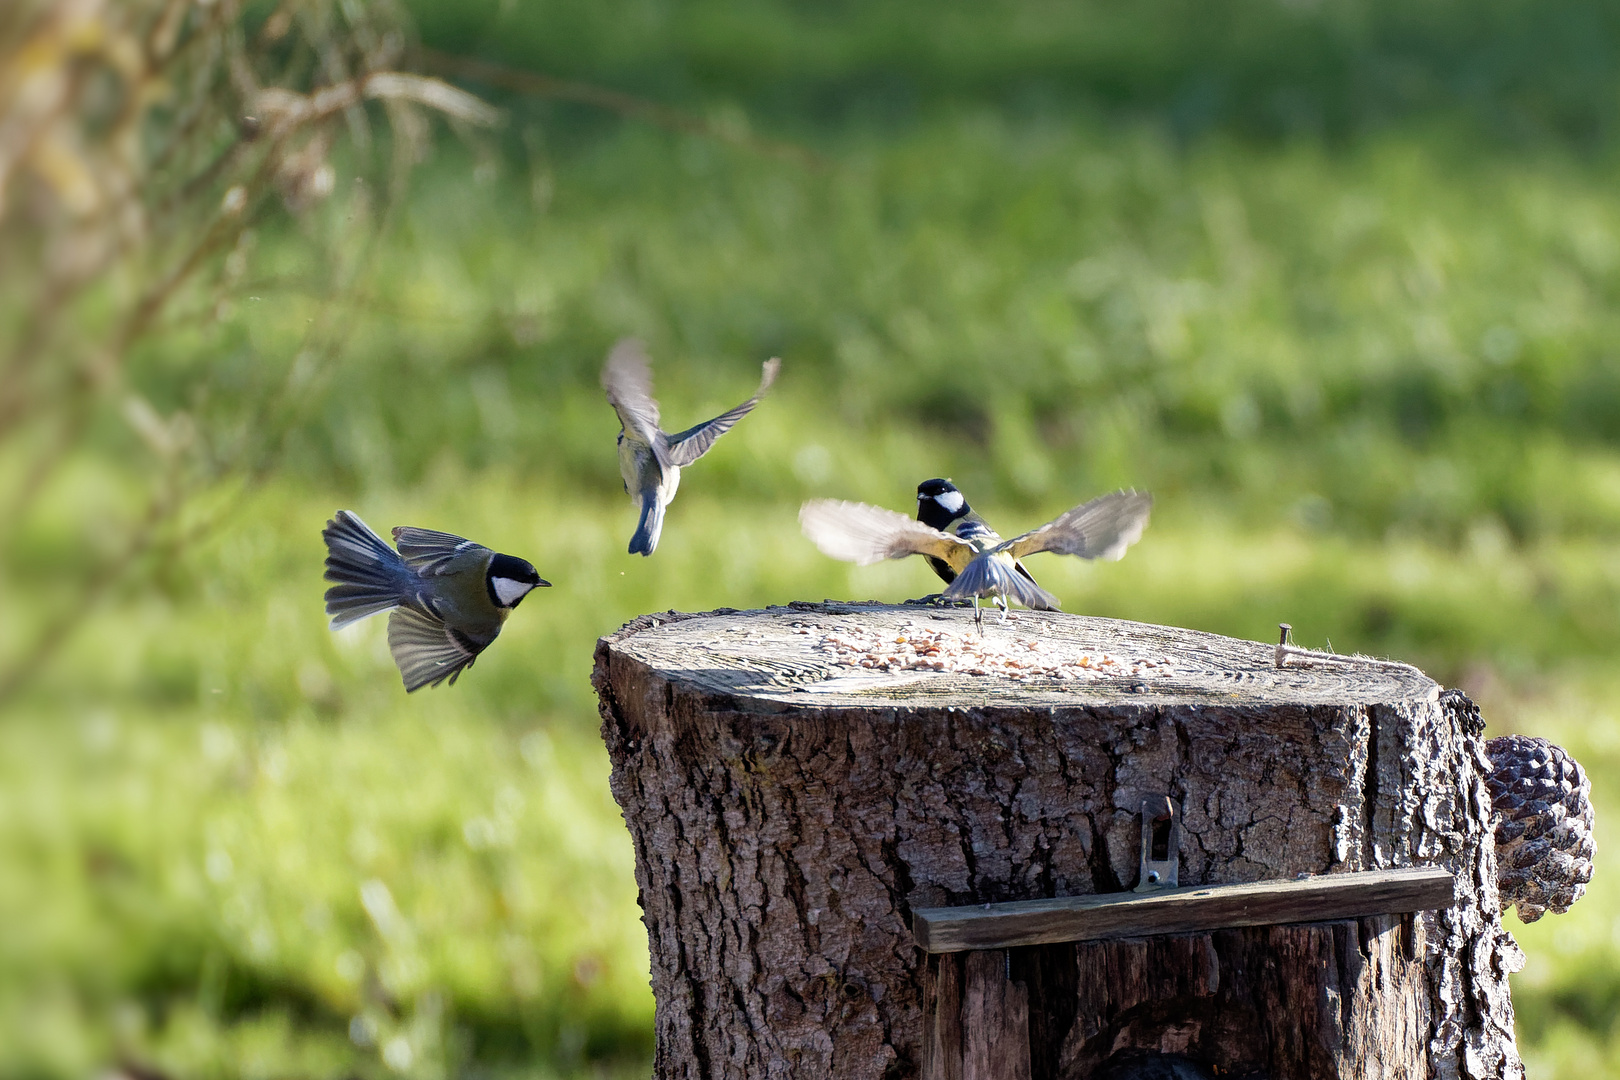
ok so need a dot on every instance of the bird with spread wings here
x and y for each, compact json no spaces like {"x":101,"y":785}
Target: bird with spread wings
{"x":650,"y":460}
{"x":863,"y":534}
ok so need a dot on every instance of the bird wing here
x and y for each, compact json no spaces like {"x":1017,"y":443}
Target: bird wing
{"x":428,"y":552}
{"x":627,"y":379}
{"x":863,"y":534}
{"x":1100,"y":529}
{"x":427,"y":651}
{"x":693,"y":443}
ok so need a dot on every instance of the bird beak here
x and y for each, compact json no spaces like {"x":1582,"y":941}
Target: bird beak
{"x":542,"y":584}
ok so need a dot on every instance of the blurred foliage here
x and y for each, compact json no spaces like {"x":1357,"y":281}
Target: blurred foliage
{"x":1503,"y":70}
{"x":140,"y":145}
{"x":1337,"y":282}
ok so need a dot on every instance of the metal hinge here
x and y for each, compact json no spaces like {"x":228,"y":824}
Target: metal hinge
{"x":1161,"y":840}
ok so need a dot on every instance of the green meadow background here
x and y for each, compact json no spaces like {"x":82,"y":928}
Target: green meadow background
{"x":1339,"y":282}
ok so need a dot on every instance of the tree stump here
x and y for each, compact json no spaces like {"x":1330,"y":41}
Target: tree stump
{"x":797,"y":780}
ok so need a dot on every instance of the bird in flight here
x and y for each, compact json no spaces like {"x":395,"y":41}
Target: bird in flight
{"x":649,"y":459}
{"x":449,"y":596}
{"x":982,"y":564}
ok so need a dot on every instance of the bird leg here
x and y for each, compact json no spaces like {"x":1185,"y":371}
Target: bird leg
{"x":1001,"y":602}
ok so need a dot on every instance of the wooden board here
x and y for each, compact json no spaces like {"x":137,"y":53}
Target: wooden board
{"x":1182,"y":911}
{"x":995,"y":1021}
{"x":1308,"y":1001}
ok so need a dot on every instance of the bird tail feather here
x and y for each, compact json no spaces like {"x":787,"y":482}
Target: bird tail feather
{"x":369,"y":574}
{"x":993,"y":574}
{"x":650,"y":526}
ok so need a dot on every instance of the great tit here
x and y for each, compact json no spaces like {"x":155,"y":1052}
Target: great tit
{"x":650,"y":460}
{"x":449,"y":596}
{"x":1100,"y":529}
{"x":941,"y":506}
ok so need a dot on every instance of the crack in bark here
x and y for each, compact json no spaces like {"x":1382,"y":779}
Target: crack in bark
{"x":1369,"y":830}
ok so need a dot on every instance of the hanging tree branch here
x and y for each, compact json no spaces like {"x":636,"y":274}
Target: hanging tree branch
{"x":140,"y":142}
{"x":535,"y":84}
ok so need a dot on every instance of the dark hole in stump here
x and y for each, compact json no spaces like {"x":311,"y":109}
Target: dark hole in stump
{"x":1160,"y":848}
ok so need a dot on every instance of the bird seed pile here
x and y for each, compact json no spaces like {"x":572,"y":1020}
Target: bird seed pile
{"x":921,"y":648}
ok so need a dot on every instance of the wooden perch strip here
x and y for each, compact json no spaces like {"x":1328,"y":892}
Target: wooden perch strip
{"x":1182,"y":911}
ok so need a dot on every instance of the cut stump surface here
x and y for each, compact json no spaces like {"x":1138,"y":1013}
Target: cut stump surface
{"x":797,"y":780}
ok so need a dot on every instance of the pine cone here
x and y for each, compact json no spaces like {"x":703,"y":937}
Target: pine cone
{"x":1543,"y":804}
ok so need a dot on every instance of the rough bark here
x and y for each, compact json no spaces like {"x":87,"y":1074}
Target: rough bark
{"x":796,"y":780}
{"x":1315,"y":1000}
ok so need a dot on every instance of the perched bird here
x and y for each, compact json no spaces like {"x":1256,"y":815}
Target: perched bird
{"x":449,"y":596}
{"x":983,"y":565}
{"x":942,"y":506}
{"x":650,"y":460}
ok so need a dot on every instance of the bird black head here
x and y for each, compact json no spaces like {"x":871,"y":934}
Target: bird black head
{"x":939,"y":504}
{"x":509,"y":580}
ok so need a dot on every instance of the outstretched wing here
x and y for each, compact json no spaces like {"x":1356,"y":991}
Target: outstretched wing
{"x":428,"y":552}
{"x":863,"y":534}
{"x":627,"y":379}
{"x":1100,"y":529}
{"x":693,"y":443}
{"x":427,"y":651}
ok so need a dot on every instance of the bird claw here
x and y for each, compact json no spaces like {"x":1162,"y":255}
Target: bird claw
{"x":935,"y":600}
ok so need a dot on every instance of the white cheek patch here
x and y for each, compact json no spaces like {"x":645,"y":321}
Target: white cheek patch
{"x":951,"y":501}
{"x":510,"y":592}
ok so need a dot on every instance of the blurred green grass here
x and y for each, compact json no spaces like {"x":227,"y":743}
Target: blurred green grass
{"x":1494,"y":69}
{"x":1366,"y":363}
